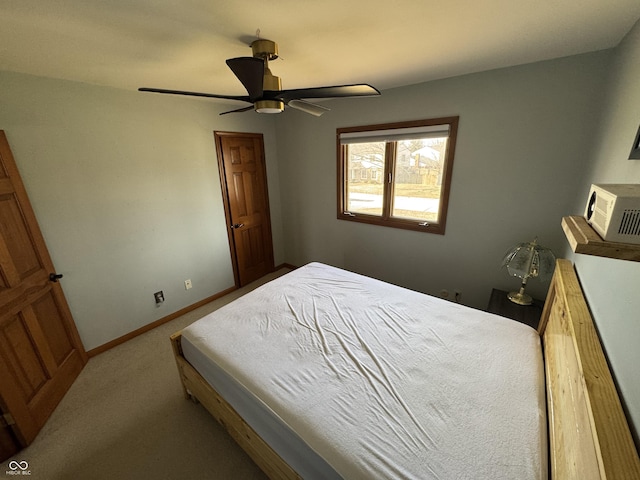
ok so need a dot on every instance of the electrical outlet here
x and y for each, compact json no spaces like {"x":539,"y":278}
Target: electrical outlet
{"x":187,"y":284}
{"x":159,"y":296}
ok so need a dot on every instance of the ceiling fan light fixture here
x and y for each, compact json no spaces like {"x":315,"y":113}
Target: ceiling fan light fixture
{"x":269,"y":106}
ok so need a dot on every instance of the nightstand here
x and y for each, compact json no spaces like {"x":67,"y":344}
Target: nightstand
{"x":528,"y":314}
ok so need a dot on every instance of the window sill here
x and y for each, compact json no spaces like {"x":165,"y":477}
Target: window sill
{"x":416,"y":226}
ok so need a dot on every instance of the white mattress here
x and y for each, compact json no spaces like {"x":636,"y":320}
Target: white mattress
{"x":347,"y":376}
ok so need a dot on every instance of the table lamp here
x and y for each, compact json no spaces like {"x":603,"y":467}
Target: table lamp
{"x":528,"y":260}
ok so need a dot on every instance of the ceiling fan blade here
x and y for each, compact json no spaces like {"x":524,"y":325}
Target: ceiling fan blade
{"x":250,"y":72}
{"x":242,"y":98}
{"x":243,"y":109}
{"x":360,"y":90}
{"x":308,"y":107}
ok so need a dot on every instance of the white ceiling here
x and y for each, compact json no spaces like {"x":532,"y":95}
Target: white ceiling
{"x":183,"y":44}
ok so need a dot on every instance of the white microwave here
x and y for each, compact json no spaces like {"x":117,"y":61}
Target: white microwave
{"x":613,"y":210}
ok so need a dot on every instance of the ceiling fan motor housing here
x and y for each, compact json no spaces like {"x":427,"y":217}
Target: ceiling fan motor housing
{"x":271,"y":82}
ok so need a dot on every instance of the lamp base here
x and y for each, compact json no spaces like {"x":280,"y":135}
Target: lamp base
{"x":520,"y":298}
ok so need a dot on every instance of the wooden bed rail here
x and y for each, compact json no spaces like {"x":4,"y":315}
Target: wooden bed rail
{"x":196,"y":388}
{"x":588,"y":432}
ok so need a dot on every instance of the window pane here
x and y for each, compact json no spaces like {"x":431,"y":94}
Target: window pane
{"x":417,"y":178}
{"x":416,"y":156}
{"x":364,"y":178}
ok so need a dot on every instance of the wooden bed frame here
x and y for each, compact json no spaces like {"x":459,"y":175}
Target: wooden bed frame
{"x":589,"y":437}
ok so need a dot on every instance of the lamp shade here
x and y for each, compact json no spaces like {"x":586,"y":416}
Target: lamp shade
{"x":528,"y":260}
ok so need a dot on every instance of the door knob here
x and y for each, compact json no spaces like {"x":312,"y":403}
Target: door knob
{"x":237,"y":225}
{"x":54,"y":277}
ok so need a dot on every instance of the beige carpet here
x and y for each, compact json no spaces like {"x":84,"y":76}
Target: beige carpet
{"x":125,"y":418}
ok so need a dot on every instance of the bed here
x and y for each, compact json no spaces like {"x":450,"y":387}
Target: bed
{"x":323,"y":373}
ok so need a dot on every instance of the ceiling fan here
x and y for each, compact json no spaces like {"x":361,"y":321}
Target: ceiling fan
{"x":264,"y":89}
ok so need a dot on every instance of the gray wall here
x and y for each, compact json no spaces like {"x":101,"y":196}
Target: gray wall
{"x":126,"y":190}
{"x":524,"y":132}
{"x":613,"y":286}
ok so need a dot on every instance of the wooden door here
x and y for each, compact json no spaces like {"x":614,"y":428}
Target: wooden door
{"x":40,"y":350}
{"x":244,"y":188}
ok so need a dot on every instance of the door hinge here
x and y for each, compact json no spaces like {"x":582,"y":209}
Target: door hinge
{"x":6,"y":420}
